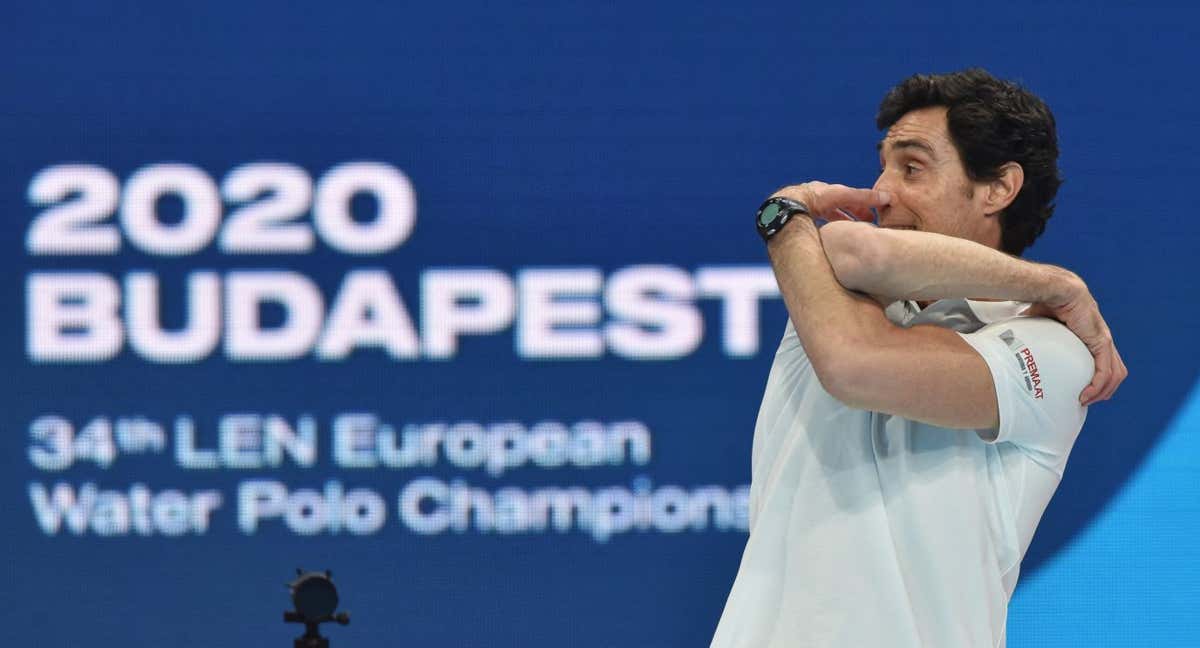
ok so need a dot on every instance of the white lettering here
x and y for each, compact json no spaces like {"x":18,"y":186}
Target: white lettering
{"x":430,"y":506}
{"x":73,"y":317}
{"x":657,"y":320}
{"x":545,"y":309}
{"x":368,"y":312}
{"x":113,"y":513}
{"x":310,"y":512}
{"x":247,"y":292}
{"x":195,"y":340}
{"x":456,"y":302}
{"x":394,"y":218}
{"x":740,"y":289}
{"x":201,"y":209}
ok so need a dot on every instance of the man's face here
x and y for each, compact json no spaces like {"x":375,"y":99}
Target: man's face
{"x":928,"y":183}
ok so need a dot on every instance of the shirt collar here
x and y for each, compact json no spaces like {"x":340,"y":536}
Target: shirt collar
{"x":963,"y":315}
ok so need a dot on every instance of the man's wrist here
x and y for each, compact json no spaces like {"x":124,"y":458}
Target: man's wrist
{"x":776,"y":212}
{"x":1061,"y":285}
{"x":800,"y":226}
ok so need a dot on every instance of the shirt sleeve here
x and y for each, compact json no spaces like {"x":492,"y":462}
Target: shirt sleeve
{"x":1039,"y":369}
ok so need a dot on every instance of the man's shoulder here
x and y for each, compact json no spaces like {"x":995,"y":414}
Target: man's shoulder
{"x":1043,"y":330}
{"x":1039,"y":346}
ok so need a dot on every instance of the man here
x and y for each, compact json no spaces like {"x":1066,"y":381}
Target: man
{"x":905,"y":450}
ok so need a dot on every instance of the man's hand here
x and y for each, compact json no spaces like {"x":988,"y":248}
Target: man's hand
{"x":835,"y":201}
{"x":1075,"y":307}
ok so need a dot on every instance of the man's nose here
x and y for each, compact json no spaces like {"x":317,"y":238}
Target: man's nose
{"x":883,"y":182}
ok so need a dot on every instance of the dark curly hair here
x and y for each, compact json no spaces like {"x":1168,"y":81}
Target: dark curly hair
{"x":991,"y":122}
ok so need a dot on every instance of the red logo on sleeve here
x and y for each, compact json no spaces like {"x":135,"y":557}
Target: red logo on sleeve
{"x":1024,"y":358}
{"x":1032,"y":377}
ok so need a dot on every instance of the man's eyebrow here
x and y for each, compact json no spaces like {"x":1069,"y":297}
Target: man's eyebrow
{"x":908,"y":143}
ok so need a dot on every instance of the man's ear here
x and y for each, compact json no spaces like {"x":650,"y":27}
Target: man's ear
{"x":1004,"y":189}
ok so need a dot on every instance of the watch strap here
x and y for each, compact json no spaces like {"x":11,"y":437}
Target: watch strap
{"x":775,"y":213}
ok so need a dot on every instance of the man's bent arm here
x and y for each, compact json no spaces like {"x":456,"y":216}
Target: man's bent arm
{"x":899,"y":264}
{"x":894,"y":264}
{"x":924,"y":373}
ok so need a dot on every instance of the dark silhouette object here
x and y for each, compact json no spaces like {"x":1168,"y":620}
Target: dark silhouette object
{"x":315,"y":599}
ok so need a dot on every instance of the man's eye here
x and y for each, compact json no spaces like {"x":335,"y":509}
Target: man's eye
{"x":911,"y":168}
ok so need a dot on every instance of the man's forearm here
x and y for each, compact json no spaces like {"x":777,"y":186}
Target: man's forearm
{"x":828,"y":318}
{"x":922,"y":265}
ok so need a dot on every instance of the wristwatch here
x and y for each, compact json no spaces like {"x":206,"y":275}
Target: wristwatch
{"x":775,"y":213}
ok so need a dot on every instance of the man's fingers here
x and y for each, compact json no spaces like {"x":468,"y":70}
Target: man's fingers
{"x":834,"y":196}
{"x":1124,"y":371}
{"x":1100,"y":379}
{"x":1085,"y":396}
{"x":1118,"y":375}
{"x":824,"y":200}
{"x":1110,"y":373}
{"x":1117,"y":371}
{"x":860,"y":214}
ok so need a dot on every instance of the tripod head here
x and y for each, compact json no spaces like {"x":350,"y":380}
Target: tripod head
{"x":315,"y":599}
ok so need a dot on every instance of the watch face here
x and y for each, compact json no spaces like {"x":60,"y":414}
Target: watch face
{"x":768,"y":214}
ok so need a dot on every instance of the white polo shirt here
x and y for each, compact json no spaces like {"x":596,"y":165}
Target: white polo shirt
{"x":869,"y":530}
